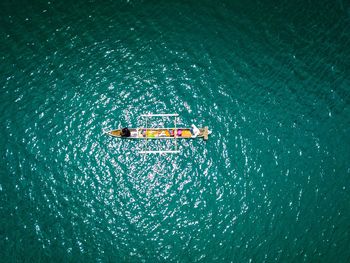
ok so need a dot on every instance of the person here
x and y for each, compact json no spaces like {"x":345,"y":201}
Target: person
{"x":125,"y":132}
{"x":195,"y":131}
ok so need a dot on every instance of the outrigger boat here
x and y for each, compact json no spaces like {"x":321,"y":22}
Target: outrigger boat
{"x":173,"y":133}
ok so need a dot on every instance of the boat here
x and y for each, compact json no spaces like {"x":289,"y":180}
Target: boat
{"x":172,"y":133}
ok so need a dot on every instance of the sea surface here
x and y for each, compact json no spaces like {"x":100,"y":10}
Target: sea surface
{"x":271,"y":79}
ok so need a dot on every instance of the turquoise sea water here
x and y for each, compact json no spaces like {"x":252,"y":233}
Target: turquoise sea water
{"x":270,"y":78}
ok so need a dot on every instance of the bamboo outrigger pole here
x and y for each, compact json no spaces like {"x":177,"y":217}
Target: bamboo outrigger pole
{"x":160,"y":115}
{"x":175,"y":132}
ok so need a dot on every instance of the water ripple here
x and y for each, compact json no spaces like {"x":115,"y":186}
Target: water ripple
{"x":269,"y":185}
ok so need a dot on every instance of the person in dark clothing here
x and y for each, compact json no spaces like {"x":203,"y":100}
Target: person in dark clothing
{"x":125,"y":132}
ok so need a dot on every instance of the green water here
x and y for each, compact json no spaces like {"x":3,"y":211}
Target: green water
{"x":270,"y":79}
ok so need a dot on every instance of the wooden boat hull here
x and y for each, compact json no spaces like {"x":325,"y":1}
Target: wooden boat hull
{"x":160,"y":133}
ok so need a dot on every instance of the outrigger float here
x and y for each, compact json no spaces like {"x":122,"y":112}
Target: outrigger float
{"x":172,"y":133}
